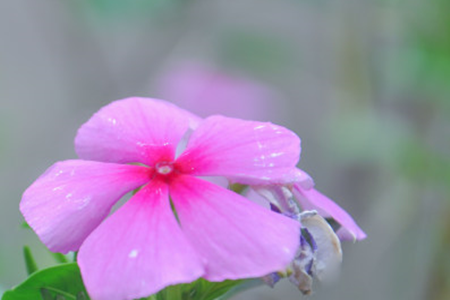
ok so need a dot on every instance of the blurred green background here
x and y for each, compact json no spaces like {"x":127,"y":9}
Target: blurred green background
{"x":365,"y":84}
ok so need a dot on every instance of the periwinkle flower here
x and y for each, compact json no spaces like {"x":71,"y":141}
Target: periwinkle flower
{"x":210,"y":90}
{"x":161,"y":150}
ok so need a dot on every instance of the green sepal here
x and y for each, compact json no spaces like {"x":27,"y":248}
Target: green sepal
{"x":63,"y":280}
{"x":25,"y":225}
{"x":238,"y":188}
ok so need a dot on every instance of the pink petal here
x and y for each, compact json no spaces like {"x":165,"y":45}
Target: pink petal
{"x":247,"y":152}
{"x":139,"y":250}
{"x":236,"y":238}
{"x":255,"y":197}
{"x":72,"y":197}
{"x":134,"y":130}
{"x":345,"y":235}
{"x":314,"y":200}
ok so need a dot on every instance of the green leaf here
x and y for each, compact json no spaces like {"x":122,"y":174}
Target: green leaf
{"x":62,"y":280}
{"x":46,"y":294}
{"x":214,"y":290}
{"x":30,"y":263}
{"x":198,"y":290}
{"x":244,"y":285}
{"x":82,"y":296}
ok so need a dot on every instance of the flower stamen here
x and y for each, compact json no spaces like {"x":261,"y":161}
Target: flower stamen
{"x":164,"y":168}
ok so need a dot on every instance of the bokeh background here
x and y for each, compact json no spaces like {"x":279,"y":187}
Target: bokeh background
{"x":364,"y":83}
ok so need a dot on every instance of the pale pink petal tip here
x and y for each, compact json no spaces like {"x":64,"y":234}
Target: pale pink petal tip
{"x":67,"y":202}
{"x":139,"y":250}
{"x":134,"y":130}
{"x":236,"y":238}
{"x":246,"y":152}
{"x":313,"y":200}
{"x":304,"y":179}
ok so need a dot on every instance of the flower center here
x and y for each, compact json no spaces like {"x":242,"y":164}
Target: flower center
{"x":164,"y":167}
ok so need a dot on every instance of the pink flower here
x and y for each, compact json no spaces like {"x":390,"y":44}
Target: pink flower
{"x":143,"y":247}
{"x":206,"y":91}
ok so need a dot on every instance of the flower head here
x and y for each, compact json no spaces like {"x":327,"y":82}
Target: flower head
{"x":163,"y":150}
{"x":209,"y":90}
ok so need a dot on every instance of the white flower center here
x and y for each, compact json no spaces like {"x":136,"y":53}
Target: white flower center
{"x":164,"y":168}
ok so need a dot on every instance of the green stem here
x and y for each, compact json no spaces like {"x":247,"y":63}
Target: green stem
{"x":60,"y":258}
{"x":30,"y":263}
